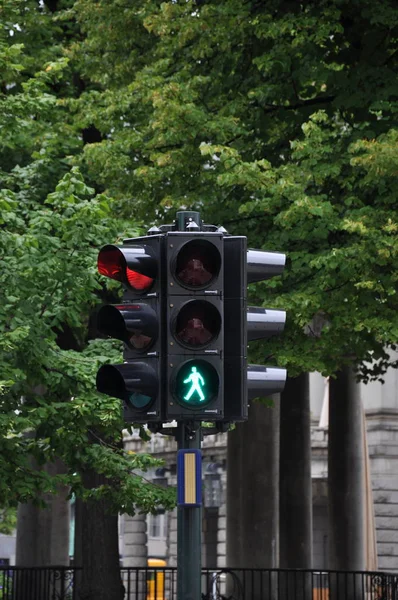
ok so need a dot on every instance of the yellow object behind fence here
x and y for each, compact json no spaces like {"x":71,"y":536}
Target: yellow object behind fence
{"x":155,"y":580}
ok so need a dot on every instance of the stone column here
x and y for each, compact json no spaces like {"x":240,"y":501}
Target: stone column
{"x":346,"y":482}
{"x":381,"y":404}
{"x":135,"y":541}
{"x":222,"y":536}
{"x":172,"y":539}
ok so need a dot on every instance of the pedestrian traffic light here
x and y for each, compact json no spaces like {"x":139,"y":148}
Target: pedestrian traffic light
{"x":137,"y":264}
{"x":194,"y":266}
{"x":242,"y":324}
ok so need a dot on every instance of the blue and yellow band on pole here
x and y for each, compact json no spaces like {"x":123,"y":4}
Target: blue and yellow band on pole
{"x":189,"y":478}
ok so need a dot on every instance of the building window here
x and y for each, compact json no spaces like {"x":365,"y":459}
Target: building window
{"x":157,"y":525}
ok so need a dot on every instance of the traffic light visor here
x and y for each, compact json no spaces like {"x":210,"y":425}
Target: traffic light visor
{"x":135,"y":383}
{"x":263,"y":381}
{"x":197,"y":264}
{"x":135,"y":324}
{"x":197,"y":324}
{"x":262,"y":265}
{"x":264,"y":323}
{"x":118,"y":263}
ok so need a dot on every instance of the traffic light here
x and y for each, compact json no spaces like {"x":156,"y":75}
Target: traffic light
{"x":194,"y":338}
{"x":242,"y":324}
{"x":185,"y":324}
{"x":137,"y":264}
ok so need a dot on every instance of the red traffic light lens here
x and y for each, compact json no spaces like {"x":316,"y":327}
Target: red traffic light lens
{"x":198,"y":264}
{"x":138,"y":281}
{"x":112,"y":263}
{"x":197,"y":324}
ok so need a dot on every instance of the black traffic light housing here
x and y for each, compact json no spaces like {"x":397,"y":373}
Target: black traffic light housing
{"x":194,"y":322}
{"x":138,"y":265}
{"x":185,"y":324}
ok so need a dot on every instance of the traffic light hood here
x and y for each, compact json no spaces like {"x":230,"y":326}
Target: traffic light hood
{"x":262,"y":265}
{"x":136,"y":383}
{"x":262,"y":323}
{"x":264,"y":381}
{"x":135,"y":324}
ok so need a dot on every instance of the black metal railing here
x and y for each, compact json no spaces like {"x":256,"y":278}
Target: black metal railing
{"x":291,"y":584}
{"x":39,"y":583}
{"x":61,"y":583}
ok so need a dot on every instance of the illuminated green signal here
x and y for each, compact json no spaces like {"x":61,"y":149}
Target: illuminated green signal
{"x":196,"y":383}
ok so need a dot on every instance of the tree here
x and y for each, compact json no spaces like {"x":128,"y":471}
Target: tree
{"x":48,"y":285}
{"x":287,"y":125}
{"x":51,"y":225}
{"x":274,"y":119}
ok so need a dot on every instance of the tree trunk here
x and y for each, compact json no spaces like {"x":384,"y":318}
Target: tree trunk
{"x":234,"y":497}
{"x":43,"y":533}
{"x":42,"y":541}
{"x":346,"y":473}
{"x":100,"y":576}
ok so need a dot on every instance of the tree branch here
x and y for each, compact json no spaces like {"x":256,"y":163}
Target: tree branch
{"x":301,"y":104}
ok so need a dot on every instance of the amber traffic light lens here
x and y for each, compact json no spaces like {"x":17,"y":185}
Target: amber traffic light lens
{"x":197,"y":324}
{"x":135,"y":324}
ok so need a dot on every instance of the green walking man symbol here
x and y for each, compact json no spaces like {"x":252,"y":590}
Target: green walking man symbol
{"x":197,"y":381}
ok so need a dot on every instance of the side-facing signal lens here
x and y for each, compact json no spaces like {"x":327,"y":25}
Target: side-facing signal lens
{"x":116,"y":263}
{"x":111,"y":263}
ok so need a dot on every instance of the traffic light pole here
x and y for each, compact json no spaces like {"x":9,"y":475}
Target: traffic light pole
{"x":189,"y":527}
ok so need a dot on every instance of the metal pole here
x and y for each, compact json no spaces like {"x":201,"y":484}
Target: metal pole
{"x":189,"y":527}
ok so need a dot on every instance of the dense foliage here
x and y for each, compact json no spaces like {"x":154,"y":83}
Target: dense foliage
{"x":51,"y":225}
{"x":275,"y":119}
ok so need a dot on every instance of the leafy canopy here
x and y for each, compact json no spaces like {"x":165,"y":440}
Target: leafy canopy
{"x":277,"y":120}
{"x":51,"y":225}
